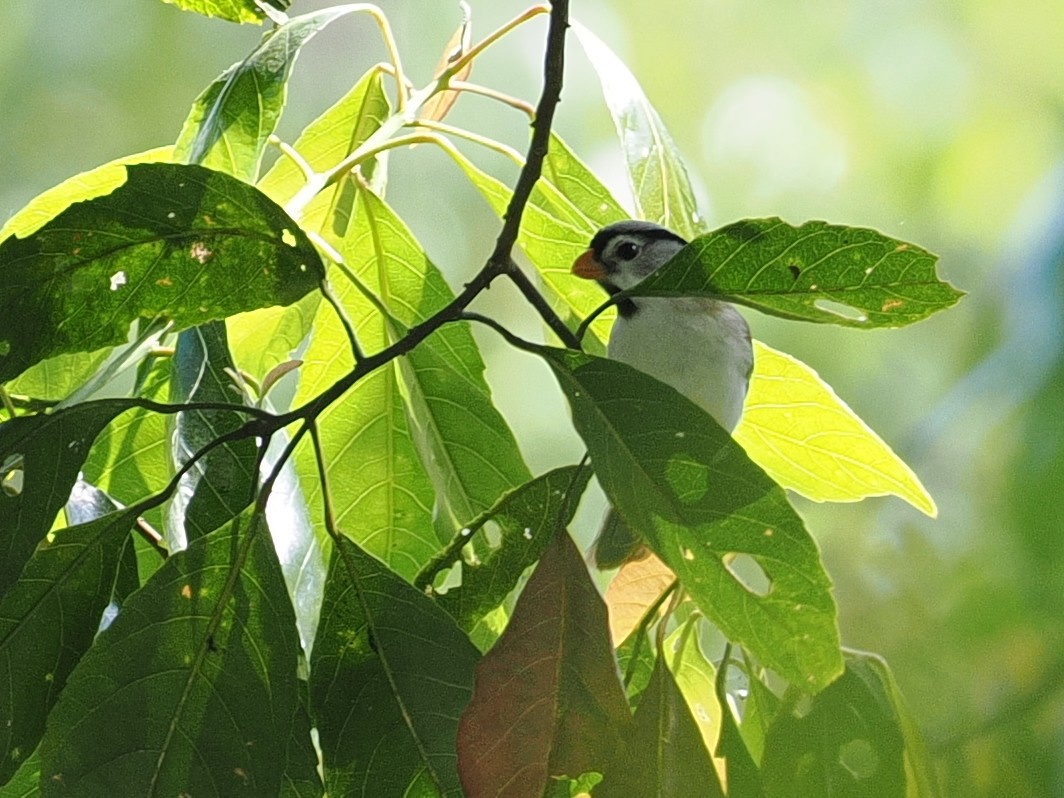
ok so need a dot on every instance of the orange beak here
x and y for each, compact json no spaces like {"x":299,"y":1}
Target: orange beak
{"x":587,"y":267}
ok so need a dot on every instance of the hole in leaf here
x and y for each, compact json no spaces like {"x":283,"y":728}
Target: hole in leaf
{"x":748,"y":573}
{"x":839,"y":309}
{"x":859,"y":758}
{"x":288,"y":238}
{"x":794,"y":270}
{"x":12,"y":475}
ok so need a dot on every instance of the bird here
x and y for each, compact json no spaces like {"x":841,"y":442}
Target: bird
{"x":698,"y":345}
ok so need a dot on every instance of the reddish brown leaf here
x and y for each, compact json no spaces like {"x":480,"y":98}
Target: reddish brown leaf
{"x":547,"y":699}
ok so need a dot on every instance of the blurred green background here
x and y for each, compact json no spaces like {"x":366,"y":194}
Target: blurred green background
{"x":939,"y":122}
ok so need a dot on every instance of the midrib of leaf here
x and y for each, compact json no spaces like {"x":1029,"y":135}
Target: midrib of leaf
{"x":224,"y":595}
{"x":440,"y":444}
{"x":391,"y":333}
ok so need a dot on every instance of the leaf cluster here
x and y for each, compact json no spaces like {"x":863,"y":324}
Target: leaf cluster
{"x":263,"y":530}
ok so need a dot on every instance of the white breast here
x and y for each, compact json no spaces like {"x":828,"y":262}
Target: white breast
{"x":699,"y":347}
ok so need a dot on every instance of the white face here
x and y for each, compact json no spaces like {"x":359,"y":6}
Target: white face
{"x":629,"y":257}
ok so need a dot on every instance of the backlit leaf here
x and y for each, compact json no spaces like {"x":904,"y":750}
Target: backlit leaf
{"x":390,"y":673}
{"x":467,"y":449}
{"x":657,"y":175}
{"x":810,"y":441}
{"x":175,"y":242}
{"x":708,"y":512}
{"x":817,"y":272}
{"x":232,"y":10}
{"x":547,"y":701}
{"x":230,"y":122}
{"x":567,"y":207}
{"x":633,"y":591}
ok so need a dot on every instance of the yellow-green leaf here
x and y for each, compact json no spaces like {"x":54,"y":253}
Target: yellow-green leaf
{"x":810,"y":441}
{"x":96,"y":182}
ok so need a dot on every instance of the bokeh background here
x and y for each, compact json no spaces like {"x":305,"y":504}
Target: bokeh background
{"x":939,"y":122}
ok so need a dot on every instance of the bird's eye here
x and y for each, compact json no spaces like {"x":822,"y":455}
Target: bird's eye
{"x":626,"y":250}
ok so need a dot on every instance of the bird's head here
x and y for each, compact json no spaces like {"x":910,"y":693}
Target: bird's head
{"x":622,"y":254}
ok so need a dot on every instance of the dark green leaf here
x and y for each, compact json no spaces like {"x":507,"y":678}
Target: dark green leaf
{"x":40,"y":457}
{"x":223,"y":481}
{"x":301,"y":777}
{"x":193,"y":689}
{"x":176,"y":242}
{"x":656,"y":172}
{"x":231,"y":121}
{"x":390,"y":673}
{"x":48,"y":620}
{"x":816,"y":272}
{"x":707,"y":511}
{"x":743,"y":776}
{"x":547,"y":700}
{"x":527,"y":519}
{"x":848,"y":744}
{"x":670,"y":757}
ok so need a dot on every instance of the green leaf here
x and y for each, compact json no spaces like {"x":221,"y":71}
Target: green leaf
{"x":231,"y":121}
{"x":567,"y":207}
{"x":231,"y":10}
{"x":467,"y":449}
{"x":849,"y":743}
{"x":669,"y":755}
{"x":210,"y":646}
{"x":743,"y":777}
{"x":527,"y":519}
{"x":390,"y":673}
{"x":696,"y":678}
{"x":656,"y":172}
{"x":88,"y":185}
{"x":130,"y":458}
{"x":817,"y":272}
{"x":382,"y":497}
{"x":48,"y":620}
{"x":547,"y":701}
{"x":323,"y":144}
{"x":921,"y":781}
{"x":26,"y":783}
{"x":40,"y":456}
{"x":175,"y":242}
{"x":810,"y":441}
{"x":223,"y":481}
{"x":707,"y":511}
